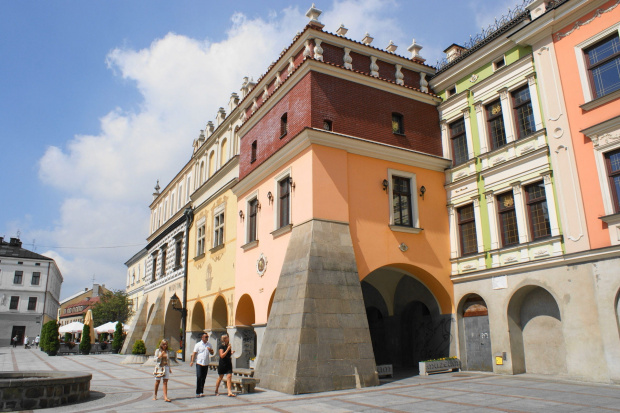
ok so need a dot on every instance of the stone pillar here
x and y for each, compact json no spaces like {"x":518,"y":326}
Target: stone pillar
{"x":259,"y":329}
{"x":154,"y":331}
{"x":317,"y":338}
{"x":136,"y":328}
{"x":242,"y":340}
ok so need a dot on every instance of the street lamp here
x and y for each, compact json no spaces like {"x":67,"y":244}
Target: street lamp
{"x":176,"y":305}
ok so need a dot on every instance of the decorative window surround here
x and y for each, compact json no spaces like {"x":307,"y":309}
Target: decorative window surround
{"x":415,"y":218}
{"x":449,"y":112}
{"x":588,"y":95}
{"x":251,"y":197}
{"x":515,"y":150}
{"x":281,"y":231}
{"x":276,"y":194}
{"x":605,"y":137}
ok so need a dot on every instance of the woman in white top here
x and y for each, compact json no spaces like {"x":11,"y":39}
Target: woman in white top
{"x":161,"y":356}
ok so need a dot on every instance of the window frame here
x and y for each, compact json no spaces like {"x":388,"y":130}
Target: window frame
{"x":520,"y":134}
{"x":38,"y":277}
{"x":461,"y":223}
{"x":614,"y":194}
{"x":219,"y":220}
{"x":164,"y":258}
{"x":504,"y":211}
{"x":590,"y":67}
{"x":200,"y":237}
{"x":582,"y":63}
{"x":21,"y":277}
{"x":414,"y":211}
{"x":14,"y":299}
{"x":453,"y":138}
{"x":252,"y":219}
{"x":399,"y":120}
{"x":32,"y":305}
{"x":254,"y":152}
{"x":283,"y":125}
{"x":529,"y":203}
{"x":489,"y":121}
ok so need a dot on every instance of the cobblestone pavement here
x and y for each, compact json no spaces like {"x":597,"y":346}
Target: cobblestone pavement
{"x":125,"y":388}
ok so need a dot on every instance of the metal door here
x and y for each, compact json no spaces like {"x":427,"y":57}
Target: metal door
{"x":478,"y":343}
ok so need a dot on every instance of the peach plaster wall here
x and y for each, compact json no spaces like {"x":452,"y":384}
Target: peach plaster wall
{"x":247,"y":279}
{"x":580,"y":119}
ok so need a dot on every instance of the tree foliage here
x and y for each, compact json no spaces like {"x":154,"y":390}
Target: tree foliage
{"x":112,"y":306}
{"x":85,"y":340}
{"x":117,"y":343}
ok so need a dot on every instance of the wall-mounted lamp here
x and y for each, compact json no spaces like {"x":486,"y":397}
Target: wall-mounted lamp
{"x":270,"y":197}
{"x":291,"y":183}
{"x":176,"y":305}
{"x":241,"y":214}
{"x":386,"y":185}
{"x":257,"y":205}
{"x":422,"y":191}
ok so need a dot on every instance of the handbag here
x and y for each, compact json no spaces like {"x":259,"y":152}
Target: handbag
{"x":159,"y":371}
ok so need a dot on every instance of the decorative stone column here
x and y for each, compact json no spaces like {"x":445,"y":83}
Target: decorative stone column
{"x":317,"y":338}
{"x":242,"y":342}
{"x":482,"y":127}
{"x":259,"y":329}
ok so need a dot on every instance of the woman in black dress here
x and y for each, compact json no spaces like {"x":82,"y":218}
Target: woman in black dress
{"x":225,"y":366}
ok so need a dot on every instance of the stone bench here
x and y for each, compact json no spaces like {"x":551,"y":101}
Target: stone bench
{"x":243,"y":372}
{"x":244,"y":385}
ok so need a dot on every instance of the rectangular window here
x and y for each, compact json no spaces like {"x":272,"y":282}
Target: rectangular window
{"x":218,"y":229}
{"x":154,"y":273}
{"x":36,"y":278}
{"x":14,"y":302}
{"x":164,"y":258}
{"x":284,"y":202}
{"x":17,"y":279}
{"x":524,"y":115}
{"x":507,"y":219}
{"x":254,"y":151}
{"x":498,"y":64}
{"x":327,"y":124}
{"x":401,"y":201}
{"x":467,"y":230}
{"x":32,"y":303}
{"x":459,"y":142}
{"x":495,"y":123}
{"x":397,"y":124}
{"x":538,"y":211}
{"x":612,"y":161}
{"x":177,"y":254}
{"x":603,"y":64}
{"x":200,"y":243}
{"x":283,"y":125}
{"x":253,"y":204}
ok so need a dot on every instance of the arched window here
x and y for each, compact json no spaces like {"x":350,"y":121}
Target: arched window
{"x":224,"y":152}
{"x":211,"y":163}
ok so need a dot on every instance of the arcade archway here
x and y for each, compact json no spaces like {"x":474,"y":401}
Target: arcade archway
{"x":405,"y":319}
{"x":172,"y":327}
{"x":219,"y":317}
{"x":536,"y":334}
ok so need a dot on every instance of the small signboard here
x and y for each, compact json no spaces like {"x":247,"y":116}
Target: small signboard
{"x":385,"y":370}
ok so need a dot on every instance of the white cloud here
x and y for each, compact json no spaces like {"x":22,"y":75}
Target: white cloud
{"x":107,"y":178}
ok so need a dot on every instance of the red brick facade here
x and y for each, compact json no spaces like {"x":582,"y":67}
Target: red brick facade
{"x":354,"y":109}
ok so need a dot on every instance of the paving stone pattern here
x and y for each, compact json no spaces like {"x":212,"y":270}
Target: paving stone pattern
{"x":128,"y":388}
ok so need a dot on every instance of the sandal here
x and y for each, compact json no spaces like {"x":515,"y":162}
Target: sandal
{"x":232,"y":395}
{"x":167,"y":400}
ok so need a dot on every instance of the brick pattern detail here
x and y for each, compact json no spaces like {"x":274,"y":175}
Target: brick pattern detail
{"x":354,"y":109}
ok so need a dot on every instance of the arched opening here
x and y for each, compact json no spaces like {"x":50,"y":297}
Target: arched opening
{"x":536,"y":335}
{"x":201,"y":177}
{"x":475,"y":343}
{"x":211,"y":164}
{"x":273,"y":294}
{"x":245,"y":311}
{"x":198,"y":318}
{"x":219,"y":318}
{"x":404,"y":318}
{"x":172,"y":327}
{"x":224,"y":152}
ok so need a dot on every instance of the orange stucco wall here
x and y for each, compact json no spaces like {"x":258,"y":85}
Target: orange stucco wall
{"x":332,"y":184}
{"x":580,"y":119}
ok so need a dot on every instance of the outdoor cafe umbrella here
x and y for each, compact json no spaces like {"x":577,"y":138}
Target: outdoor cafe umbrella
{"x":74,"y":327}
{"x":88,"y":320}
{"x":109,"y":327}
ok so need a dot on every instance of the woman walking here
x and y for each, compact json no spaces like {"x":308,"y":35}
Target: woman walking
{"x":162,"y":369}
{"x":225,"y":366}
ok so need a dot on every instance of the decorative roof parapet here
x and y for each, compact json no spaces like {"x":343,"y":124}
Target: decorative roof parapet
{"x":506,"y":22}
{"x":313,"y":14}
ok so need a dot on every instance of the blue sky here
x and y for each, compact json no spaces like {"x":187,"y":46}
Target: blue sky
{"x":99,"y":99}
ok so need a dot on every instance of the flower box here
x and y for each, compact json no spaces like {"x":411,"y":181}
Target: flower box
{"x":438,"y":366}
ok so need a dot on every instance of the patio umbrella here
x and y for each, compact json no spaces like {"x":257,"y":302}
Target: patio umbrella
{"x":88,"y":320}
{"x":74,"y":327}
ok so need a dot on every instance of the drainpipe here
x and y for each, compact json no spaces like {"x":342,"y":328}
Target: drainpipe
{"x":47,"y":279}
{"x":189,"y":217}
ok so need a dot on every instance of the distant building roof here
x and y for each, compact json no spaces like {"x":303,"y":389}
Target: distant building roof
{"x":14,"y":249}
